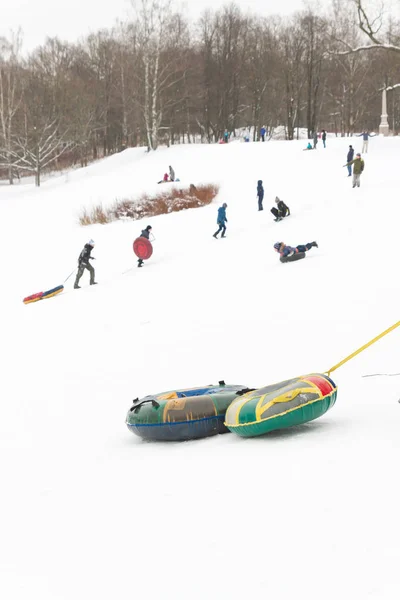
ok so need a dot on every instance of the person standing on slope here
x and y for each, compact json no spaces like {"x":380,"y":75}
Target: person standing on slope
{"x":145,"y":234}
{"x":289,"y":251}
{"x":262,"y":133}
{"x":83,"y":263}
{"x":350,"y":156}
{"x":260,"y":194}
{"x":365,"y":135}
{"x":221,"y":220}
{"x":315,"y":140}
{"x":358,"y":168}
{"x":171,"y":174}
{"x":324,"y":137}
{"x":281,"y":211}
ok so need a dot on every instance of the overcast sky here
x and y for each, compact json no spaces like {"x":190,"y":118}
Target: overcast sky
{"x":71,"y":19}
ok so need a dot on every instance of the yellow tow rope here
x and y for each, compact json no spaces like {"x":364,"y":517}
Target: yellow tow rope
{"x":378,"y":337}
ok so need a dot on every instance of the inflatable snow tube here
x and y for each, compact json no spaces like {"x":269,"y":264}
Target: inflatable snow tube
{"x":282,"y":405}
{"x":183,"y":414}
{"x":143,"y":248}
{"x":297,"y":256}
{"x":43,"y":295}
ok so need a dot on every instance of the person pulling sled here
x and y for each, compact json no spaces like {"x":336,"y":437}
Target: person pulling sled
{"x":83,"y":263}
{"x":281,"y":211}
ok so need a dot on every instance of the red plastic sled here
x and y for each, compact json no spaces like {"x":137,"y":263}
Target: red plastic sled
{"x":142,"y":248}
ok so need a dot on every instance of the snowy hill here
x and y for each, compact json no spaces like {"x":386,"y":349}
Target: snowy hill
{"x":90,"y":511}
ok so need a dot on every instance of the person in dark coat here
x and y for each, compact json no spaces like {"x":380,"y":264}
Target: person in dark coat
{"x":315,"y":140}
{"x":171,"y":174}
{"x":221,"y":220}
{"x":146,"y":234}
{"x":83,"y":263}
{"x":323,"y":137}
{"x":262,"y":133}
{"x":260,"y":194}
{"x":281,"y":211}
{"x":289,"y":250}
{"x":350,"y":156}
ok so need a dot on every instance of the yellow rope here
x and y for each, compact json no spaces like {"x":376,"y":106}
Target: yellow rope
{"x":378,"y":337}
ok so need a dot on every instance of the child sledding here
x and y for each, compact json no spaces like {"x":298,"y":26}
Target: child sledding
{"x":290,"y":254}
{"x":281,"y":210}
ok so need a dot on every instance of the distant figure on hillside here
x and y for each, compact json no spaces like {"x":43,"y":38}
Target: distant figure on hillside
{"x":226,"y":136}
{"x":171,"y":174}
{"x":221,"y":220}
{"x":309,"y":147}
{"x":165,"y":179}
{"x":262,"y":133}
{"x":315,"y":140}
{"x":146,"y":234}
{"x":358,"y":168}
{"x":260,"y":194}
{"x":365,"y":135}
{"x":323,"y":137}
{"x":289,"y":250}
{"x":83,"y":263}
{"x":350,"y":156}
{"x":281,"y":211}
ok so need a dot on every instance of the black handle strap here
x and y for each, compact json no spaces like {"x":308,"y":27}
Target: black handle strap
{"x":136,"y":406}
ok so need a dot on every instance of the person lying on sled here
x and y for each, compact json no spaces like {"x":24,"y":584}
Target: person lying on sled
{"x":289,"y":251}
{"x":281,"y":211}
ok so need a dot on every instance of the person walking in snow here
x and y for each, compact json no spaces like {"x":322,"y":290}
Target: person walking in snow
{"x":221,"y":220}
{"x":289,"y":250}
{"x":350,"y":156}
{"x":171,"y":174}
{"x":83,"y":263}
{"x":315,"y":140}
{"x":260,"y":194}
{"x":323,"y":137}
{"x":358,"y":168}
{"x":281,"y":211}
{"x":145,"y":234}
{"x":262,"y":133}
{"x":365,"y":135}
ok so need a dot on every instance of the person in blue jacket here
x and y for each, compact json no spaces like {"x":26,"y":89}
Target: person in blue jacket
{"x":262,"y":133}
{"x":260,"y":194}
{"x":289,"y":250}
{"x":221,"y":220}
{"x":350,"y":156}
{"x":365,"y":135}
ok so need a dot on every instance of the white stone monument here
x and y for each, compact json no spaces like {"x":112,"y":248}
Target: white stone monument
{"x":384,"y":124}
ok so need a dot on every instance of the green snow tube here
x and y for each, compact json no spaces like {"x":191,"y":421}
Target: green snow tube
{"x":183,"y":414}
{"x":282,"y":405}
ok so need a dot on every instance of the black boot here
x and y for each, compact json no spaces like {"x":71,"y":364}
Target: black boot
{"x":77,"y":287}
{"x":215,"y":235}
{"x":314,"y":244}
{"x":93,"y":283}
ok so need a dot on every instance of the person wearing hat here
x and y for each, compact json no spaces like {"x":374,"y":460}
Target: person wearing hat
{"x":358,"y":168}
{"x":83,"y":263}
{"x":146,"y":234}
{"x":289,"y":251}
{"x":350,"y":156}
{"x":281,"y":211}
{"x":221,"y":220}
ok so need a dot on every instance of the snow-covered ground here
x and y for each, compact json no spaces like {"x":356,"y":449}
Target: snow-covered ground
{"x":87,"y":510}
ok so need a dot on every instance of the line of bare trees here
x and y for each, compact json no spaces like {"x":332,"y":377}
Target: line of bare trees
{"x":158,"y":79}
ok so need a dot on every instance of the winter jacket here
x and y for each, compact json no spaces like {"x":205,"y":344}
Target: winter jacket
{"x":358,"y":166}
{"x":283,"y":209}
{"x":286,"y":250}
{"x":260,"y":190}
{"x":145,"y":233}
{"x":365,"y":135}
{"x":350,"y":155}
{"x":171,"y":174}
{"x":85,"y":255}
{"x":323,"y":136}
{"x":262,"y":131}
{"x":221,"y":215}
